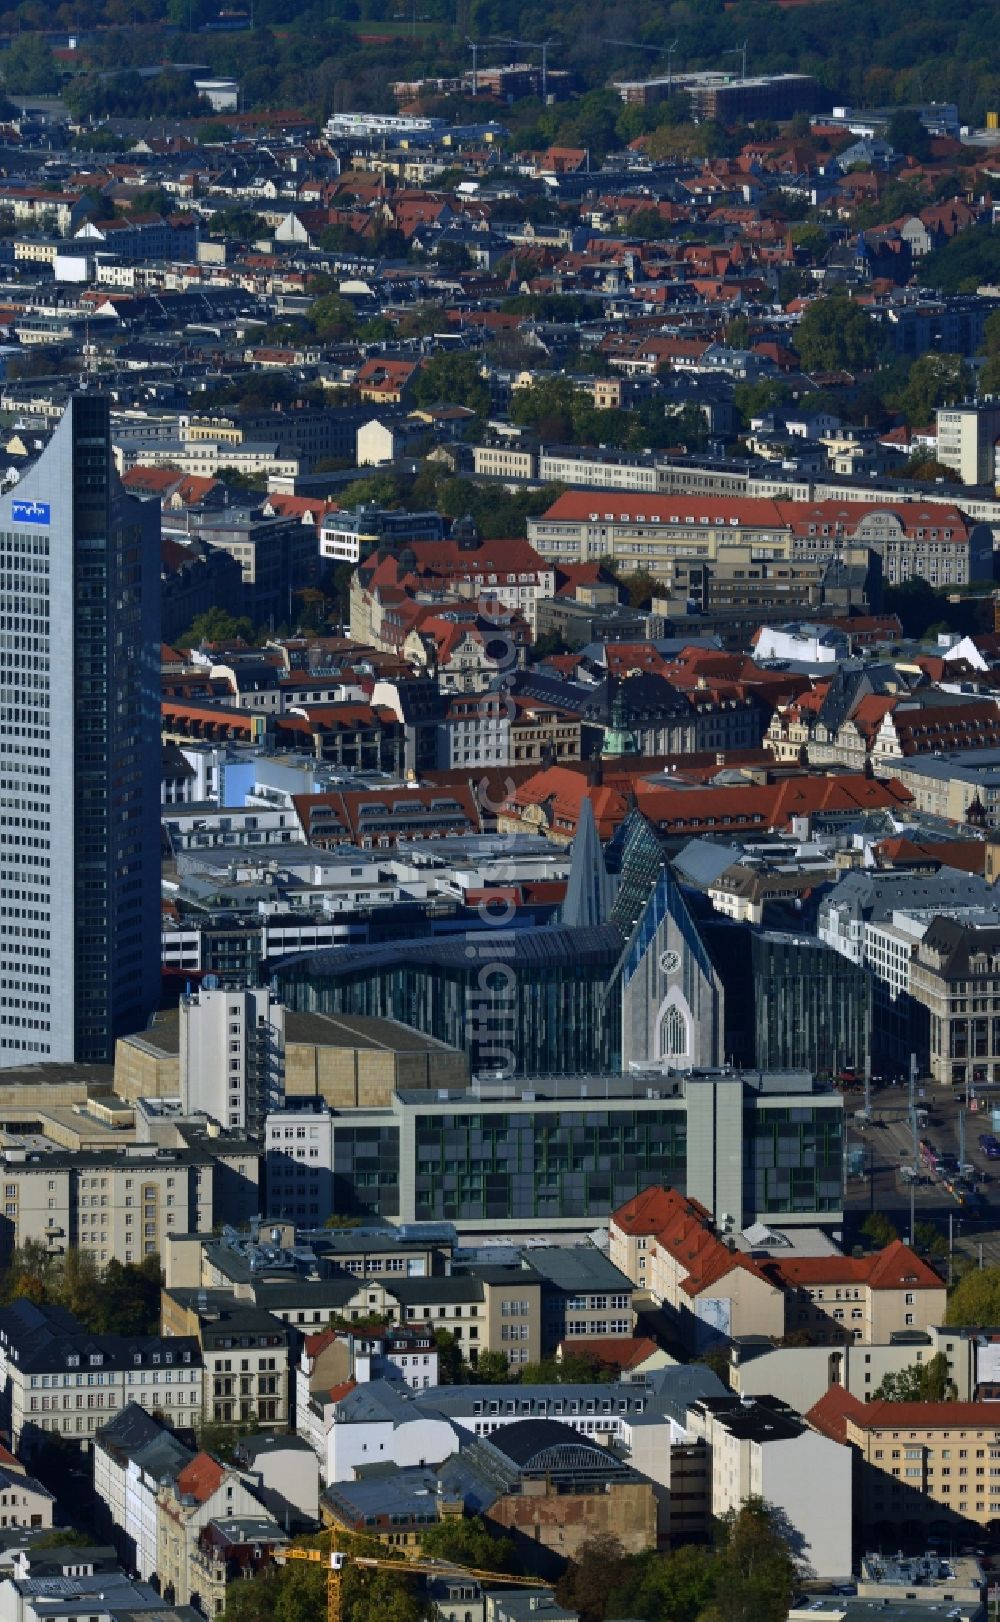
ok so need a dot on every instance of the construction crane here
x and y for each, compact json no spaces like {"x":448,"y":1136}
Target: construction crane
{"x":335,"y":1560}
{"x":657,"y":50}
{"x":535,"y":45}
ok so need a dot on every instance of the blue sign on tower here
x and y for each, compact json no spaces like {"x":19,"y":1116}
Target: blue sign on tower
{"x":30,"y":512}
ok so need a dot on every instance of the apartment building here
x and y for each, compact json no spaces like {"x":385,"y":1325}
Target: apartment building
{"x":803,"y":1374}
{"x":232,"y":1056}
{"x":56,"y":1379}
{"x":656,"y":532}
{"x":245,"y":1351}
{"x":760,"y":1448}
{"x":134,"y":1453}
{"x":966,"y":437}
{"x":505,"y":459}
{"x":203,"y":1491}
{"x":920,"y":1462}
{"x":570,"y":464}
{"x":119,"y":1205}
{"x":332,"y":1357}
{"x":865,"y":1298}
{"x":23,"y":1500}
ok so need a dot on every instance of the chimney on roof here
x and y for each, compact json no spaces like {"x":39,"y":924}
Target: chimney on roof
{"x":595,"y":772}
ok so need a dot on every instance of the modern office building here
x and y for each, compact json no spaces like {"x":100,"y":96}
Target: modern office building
{"x":566,"y":1151}
{"x":79,"y":751}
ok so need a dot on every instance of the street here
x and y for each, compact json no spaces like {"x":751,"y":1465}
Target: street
{"x":888,"y":1146}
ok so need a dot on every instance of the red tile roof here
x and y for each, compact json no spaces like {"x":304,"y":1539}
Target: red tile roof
{"x":201,"y":1478}
{"x":831,"y":1413}
{"x":884,"y":1415}
{"x":620,"y":1354}
{"x":893,"y":1268}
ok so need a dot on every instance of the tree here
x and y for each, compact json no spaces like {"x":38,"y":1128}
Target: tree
{"x":236,"y":223}
{"x":920,"y":1382}
{"x":450,"y":1365}
{"x":599,"y":1569}
{"x":548,"y":644}
{"x":454,"y":378}
{"x":935,"y":380}
{"x":907,"y":135}
{"x":926,"y":469}
{"x":30,"y":1275}
{"x":879,"y":1230}
{"x":333,"y":317}
{"x":78,"y":1281}
{"x":755,"y":1573}
{"x":469,"y":1542}
{"x":975,"y":1300}
{"x":490,"y":1368}
{"x":752,"y":399}
{"x":640,"y":588}
{"x":29,"y":67}
{"x":216,"y":625}
{"x":930,"y":1240}
{"x":810,"y":240}
{"x":963,"y":264}
{"x":674,"y":1587}
{"x":835,"y":334}
{"x":452,"y":257}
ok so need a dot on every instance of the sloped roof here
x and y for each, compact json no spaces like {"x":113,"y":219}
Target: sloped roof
{"x":201,"y":1478}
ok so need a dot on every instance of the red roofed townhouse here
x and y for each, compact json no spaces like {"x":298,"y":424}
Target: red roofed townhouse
{"x":203,"y":1491}
{"x":503,"y":577}
{"x":549,"y":803}
{"x":380,"y":818}
{"x":772,"y":806}
{"x":388,"y":381}
{"x":464,"y":653}
{"x":867,"y":1298}
{"x":668,"y":1244}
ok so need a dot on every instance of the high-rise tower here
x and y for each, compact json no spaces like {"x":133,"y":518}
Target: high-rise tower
{"x":79,"y":751}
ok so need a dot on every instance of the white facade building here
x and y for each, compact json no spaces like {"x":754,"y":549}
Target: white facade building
{"x":761,"y":1448}
{"x":232,"y":1056}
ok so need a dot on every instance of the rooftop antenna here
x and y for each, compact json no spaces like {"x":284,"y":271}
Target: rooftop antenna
{"x":740,"y":51}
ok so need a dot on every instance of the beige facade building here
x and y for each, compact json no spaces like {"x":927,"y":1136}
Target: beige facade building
{"x":803,"y":1374}
{"x":920,"y":1462}
{"x":203,"y":1491}
{"x":67,"y":1383}
{"x":117,"y":1204}
{"x":668,"y":1246}
{"x":245,"y":1352}
{"x":505,"y":459}
{"x":955,"y":975}
{"x":350,"y":1061}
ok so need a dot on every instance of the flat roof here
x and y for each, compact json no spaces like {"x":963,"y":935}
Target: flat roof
{"x":316,"y":1030}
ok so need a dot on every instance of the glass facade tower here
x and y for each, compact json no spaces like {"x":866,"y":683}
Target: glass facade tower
{"x":79,"y":751}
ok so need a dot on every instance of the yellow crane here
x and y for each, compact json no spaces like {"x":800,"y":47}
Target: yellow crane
{"x":335,"y":1560}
